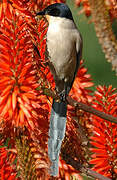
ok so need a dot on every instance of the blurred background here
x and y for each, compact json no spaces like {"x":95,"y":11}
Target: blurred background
{"x":100,"y":70}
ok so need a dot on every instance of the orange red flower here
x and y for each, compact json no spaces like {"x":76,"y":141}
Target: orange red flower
{"x":67,"y":172}
{"x":111,"y":6}
{"x":24,"y":75}
{"x":19,"y":98}
{"x":104,"y":133}
{"x":7,"y":168}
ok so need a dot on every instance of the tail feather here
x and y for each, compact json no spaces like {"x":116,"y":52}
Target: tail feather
{"x":56,"y":133}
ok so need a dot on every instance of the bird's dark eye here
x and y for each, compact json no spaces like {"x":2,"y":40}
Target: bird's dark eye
{"x":54,"y":12}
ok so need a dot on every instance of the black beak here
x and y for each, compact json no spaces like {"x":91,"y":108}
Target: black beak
{"x":41,"y":13}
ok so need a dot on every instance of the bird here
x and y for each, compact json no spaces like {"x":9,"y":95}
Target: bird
{"x":64,"y":47}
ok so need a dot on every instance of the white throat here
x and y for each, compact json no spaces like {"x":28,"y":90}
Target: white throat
{"x":56,"y":23}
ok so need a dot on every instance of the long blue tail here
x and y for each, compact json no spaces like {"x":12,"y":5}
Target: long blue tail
{"x":56,"y":134}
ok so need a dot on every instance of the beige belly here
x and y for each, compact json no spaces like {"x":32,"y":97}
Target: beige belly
{"x":61,"y":47}
{"x":63,"y":57}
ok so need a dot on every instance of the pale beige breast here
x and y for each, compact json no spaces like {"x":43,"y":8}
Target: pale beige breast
{"x":61,"y":46}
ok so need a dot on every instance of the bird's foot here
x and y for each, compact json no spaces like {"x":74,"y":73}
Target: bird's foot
{"x":62,"y":96}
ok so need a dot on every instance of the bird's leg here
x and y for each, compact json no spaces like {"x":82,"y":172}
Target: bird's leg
{"x":63,"y":94}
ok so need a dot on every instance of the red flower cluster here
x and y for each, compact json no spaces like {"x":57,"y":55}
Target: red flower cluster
{"x":67,"y":171}
{"x":111,"y":5}
{"x":20,"y":102}
{"x":7,"y":168}
{"x":86,"y":7}
{"x":33,"y":5}
{"x":104,"y":137}
{"x":23,"y":77}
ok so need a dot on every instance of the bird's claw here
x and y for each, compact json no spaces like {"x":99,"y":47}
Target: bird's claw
{"x":62,"y":96}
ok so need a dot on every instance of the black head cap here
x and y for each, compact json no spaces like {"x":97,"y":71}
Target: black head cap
{"x":58,"y":10}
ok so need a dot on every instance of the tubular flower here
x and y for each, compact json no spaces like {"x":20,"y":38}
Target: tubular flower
{"x":19,"y":99}
{"x":67,"y":172}
{"x":104,"y":133}
{"x":39,"y":4}
{"x":32,"y":160}
{"x":111,"y":6}
{"x":7,"y":168}
{"x":86,"y":7}
{"x":33,"y":5}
